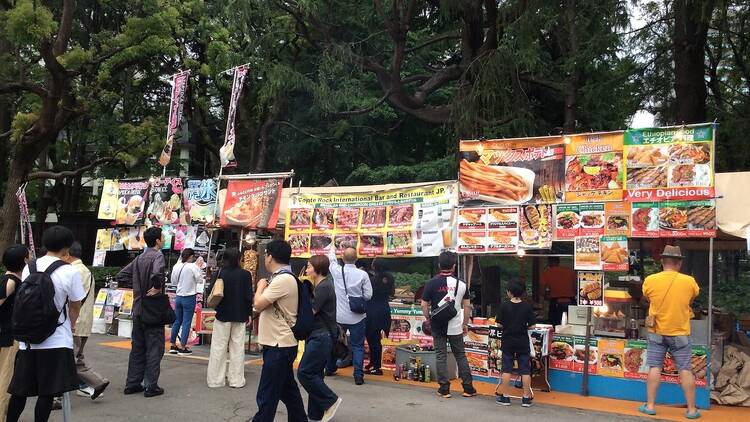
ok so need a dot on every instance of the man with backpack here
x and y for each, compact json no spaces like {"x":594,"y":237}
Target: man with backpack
{"x":146,"y":273}
{"x":279,"y":303}
{"x":44,"y":315}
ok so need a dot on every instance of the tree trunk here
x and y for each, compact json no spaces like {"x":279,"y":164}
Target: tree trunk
{"x":692,"y":18}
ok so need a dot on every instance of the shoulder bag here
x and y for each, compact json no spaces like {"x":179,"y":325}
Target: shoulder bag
{"x":357,"y":304}
{"x":650,"y":321}
{"x":217,"y":292}
{"x":155,"y":310}
{"x":447,"y":311}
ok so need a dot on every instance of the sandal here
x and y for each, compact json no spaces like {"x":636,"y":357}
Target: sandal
{"x":646,"y":411}
{"x":694,"y":415}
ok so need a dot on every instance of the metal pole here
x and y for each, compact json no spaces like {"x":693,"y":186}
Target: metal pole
{"x":67,"y":413}
{"x":586,"y":351}
{"x":709,"y":341}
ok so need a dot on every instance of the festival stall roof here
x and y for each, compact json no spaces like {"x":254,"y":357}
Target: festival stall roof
{"x":733,"y":204}
{"x":287,"y":192}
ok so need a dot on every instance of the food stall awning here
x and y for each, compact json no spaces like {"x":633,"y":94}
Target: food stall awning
{"x":287,"y":192}
{"x":732,"y":216}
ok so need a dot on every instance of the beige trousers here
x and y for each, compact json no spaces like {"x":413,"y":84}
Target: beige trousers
{"x":227,"y":338}
{"x":7,"y":364}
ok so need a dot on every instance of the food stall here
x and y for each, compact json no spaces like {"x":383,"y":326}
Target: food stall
{"x":601,"y":193}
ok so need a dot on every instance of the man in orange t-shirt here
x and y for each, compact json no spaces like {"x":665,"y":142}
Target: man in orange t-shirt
{"x":559,"y":285}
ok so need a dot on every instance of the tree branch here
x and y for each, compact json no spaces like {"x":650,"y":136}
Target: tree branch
{"x":304,"y":132}
{"x":66,"y":24}
{"x":22,"y":86}
{"x":449,"y":36}
{"x":364,"y":110}
{"x":71,"y":173}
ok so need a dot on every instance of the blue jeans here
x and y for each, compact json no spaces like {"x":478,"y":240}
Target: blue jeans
{"x":318,"y":349}
{"x":277,"y":383}
{"x":184,"y":310}
{"x":357,"y":341}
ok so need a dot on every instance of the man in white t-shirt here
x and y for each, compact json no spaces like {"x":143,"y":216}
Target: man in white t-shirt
{"x":438,"y":291}
{"x":48,"y":369}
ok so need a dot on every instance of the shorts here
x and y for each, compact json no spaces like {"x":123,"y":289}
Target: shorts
{"x":44,"y":372}
{"x":523,"y":359}
{"x":679,"y":347}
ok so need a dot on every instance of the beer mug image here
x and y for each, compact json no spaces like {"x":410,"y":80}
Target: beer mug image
{"x":447,"y":237}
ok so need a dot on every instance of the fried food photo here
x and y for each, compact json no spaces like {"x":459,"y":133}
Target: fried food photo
{"x":470,"y":216}
{"x":646,"y":156}
{"x":614,"y":254}
{"x":492,"y":181}
{"x":469,"y":239}
{"x":499,"y":215}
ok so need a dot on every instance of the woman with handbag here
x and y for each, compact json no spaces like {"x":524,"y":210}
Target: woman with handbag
{"x":235,"y":305}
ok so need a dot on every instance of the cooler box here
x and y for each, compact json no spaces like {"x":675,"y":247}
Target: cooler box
{"x":99,"y":326}
{"x":404,"y":355}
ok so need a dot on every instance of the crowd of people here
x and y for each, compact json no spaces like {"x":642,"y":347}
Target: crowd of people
{"x":46,"y":314}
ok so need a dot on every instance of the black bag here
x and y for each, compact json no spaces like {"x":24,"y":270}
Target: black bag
{"x":357,"y":304}
{"x":155,"y":310}
{"x":35,"y":315}
{"x":305,"y":322}
{"x":447,"y":311}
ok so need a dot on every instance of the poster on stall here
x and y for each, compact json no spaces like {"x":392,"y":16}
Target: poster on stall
{"x":478,"y":363}
{"x":634,"y":360}
{"x":408,"y":323}
{"x":252,"y":203}
{"x":687,"y":219}
{"x":103,"y":240}
{"x":180,"y":235}
{"x":594,"y":167}
{"x":100,"y":256}
{"x":611,"y":358}
{"x":414,"y":221}
{"x":618,"y":218}
{"x":587,"y":253}
{"x":567,"y":221}
{"x":590,"y":288}
{"x":645,"y":219}
{"x":165,"y":201}
{"x":512,"y":171}
{"x":132,"y":196}
{"x":120,"y":239}
{"x":488,"y":229}
{"x":665,"y":164}
{"x":561,"y":353}
{"x":127,"y":302}
{"x":579,"y":353}
{"x":135,"y":238}
{"x":167,"y":232}
{"x":535,"y":226}
{"x":199,"y":201}
{"x":592,"y":220}
{"x":614,"y":254}
{"x":109,"y":203}
{"x":202,"y":239}
{"x":477,"y":338}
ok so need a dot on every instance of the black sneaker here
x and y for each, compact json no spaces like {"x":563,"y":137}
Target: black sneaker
{"x":153,"y":391}
{"x":375,"y":371}
{"x":469,"y":392}
{"x":444,"y":392}
{"x":184,"y":352}
{"x":503,"y":400}
{"x":133,"y":390}
{"x":526,"y":401}
{"x":359,"y":380}
{"x":173,"y":350}
{"x":99,"y":390}
{"x":330,"y":373}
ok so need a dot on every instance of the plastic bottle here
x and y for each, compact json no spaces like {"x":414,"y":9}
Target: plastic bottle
{"x":427,"y":373}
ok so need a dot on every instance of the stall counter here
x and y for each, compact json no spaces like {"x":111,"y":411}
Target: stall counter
{"x":617,"y":369}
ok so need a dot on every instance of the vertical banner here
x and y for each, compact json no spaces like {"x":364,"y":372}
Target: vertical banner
{"x":179,"y":88}
{"x":226,"y":153}
{"x":108,"y":203}
{"x":252,"y":203}
{"x":25,"y":220}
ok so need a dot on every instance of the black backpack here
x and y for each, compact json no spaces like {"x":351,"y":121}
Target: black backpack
{"x":35,"y":315}
{"x":303,"y":327}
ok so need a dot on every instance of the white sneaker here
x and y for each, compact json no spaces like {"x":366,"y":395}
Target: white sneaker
{"x":331,"y":411}
{"x":85,"y":392}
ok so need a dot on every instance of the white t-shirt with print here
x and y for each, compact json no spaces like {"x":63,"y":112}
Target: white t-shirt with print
{"x":68,"y":286}
{"x":456,"y":324}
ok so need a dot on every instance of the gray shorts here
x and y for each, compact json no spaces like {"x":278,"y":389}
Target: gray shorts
{"x":679,"y":347}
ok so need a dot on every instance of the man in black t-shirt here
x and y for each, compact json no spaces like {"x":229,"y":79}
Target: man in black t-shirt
{"x":441,"y":289}
{"x":516,"y":317}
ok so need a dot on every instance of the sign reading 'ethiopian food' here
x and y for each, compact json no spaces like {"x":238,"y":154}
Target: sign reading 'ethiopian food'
{"x":401,"y":222}
{"x":669,"y":164}
{"x":512,"y":171}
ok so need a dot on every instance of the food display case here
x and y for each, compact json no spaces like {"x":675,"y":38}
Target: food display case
{"x":612,"y":319}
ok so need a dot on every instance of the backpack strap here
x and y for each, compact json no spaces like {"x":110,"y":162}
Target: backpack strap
{"x":52,"y":267}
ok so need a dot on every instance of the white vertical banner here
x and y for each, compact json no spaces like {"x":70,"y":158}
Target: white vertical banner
{"x":226,"y":153}
{"x":179,"y":89}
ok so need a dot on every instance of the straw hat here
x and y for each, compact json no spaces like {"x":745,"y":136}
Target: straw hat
{"x":672,"y":252}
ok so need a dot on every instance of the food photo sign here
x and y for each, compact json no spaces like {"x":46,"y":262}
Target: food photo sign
{"x":594,"y":167}
{"x":252,"y":203}
{"x":590,"y":288}
{"x":488,"y":230}
{"x":512,"y":171}
{"x":403,"y":222}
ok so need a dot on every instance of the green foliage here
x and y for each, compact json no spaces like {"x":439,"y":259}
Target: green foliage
{"x":29,"y":23}
{"x":101,"y":273}
{"x":442,"y":169}
{"x":410,"y":281}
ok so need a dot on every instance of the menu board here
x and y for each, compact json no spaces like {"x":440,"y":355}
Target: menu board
{"x":199,"y":201}
{"x":131,"y":201}
{"x":108,"y":205}
{"x":587,"y":253}
{"x":252,"y":203}
{"x":614,"y":253}
{"x":395,"y":223}
{"x":669,"y":164}
{"x":592,"y":219}
{"x":674,"y":219}
{"x":620,"y":358}
{"x":535,"y":226}
{"x":590,"y":288}
{"x":491,"y":230}
{"x":618,"y":218}
{"x":477,"y":338}
{"x":165,"y":204}
{"x":103,"y":240}
{"x":409,"y":323}
{"x":512,"y":171}
{"x":594,"y":167}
